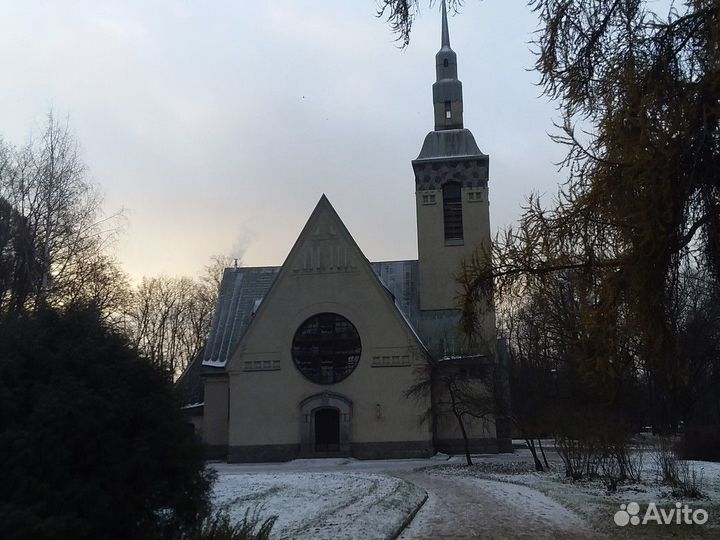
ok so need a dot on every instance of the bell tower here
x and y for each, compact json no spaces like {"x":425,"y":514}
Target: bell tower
{"x":451,"y":189}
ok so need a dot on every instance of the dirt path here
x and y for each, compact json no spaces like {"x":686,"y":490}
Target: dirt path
{"x":473,"y":508}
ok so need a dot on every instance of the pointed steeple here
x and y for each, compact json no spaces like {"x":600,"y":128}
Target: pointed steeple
{"x":451,"y":175}
{"x":445,"y":33}
{"x":447,"y":90}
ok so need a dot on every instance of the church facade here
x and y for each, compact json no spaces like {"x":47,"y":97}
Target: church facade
{"x":318,"y":357}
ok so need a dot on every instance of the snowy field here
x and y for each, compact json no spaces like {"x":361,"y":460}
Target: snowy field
{"x":322,"y":505}
{"x":499,"y":497}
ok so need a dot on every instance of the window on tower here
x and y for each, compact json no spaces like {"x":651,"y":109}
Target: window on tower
{"x":448,"y":110}
{"x":452,"y":211}
{"x":445,"y":63}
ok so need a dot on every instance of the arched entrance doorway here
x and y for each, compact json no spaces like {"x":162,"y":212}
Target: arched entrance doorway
{"x":327,"y":430}
{"x":325,"y":420}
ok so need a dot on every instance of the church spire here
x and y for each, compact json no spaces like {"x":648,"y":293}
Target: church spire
{"x":447,"y":90}
{"x":445,"y":32}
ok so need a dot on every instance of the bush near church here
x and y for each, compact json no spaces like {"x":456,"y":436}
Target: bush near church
{"x":701,"y":442}
{"x":92,"y":443}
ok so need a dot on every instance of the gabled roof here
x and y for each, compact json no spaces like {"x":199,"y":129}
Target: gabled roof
{"x":243,"y":289}
{"x":241,"y":292}
{"x":189,"y":386}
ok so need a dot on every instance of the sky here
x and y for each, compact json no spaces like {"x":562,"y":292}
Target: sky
{"x":217,"y":125}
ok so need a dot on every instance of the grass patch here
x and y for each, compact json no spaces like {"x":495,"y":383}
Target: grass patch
{"x":219,"y":526}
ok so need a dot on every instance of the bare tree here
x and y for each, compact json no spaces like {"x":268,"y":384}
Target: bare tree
{"x":458,"y":388}
{"x":215,"y":270}
{"x":169,"y":318}
{"x":400,"y":15}
{"x":46,"y":182}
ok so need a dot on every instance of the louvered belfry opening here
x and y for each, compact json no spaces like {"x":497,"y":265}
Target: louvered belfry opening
{"x":452,"y":211}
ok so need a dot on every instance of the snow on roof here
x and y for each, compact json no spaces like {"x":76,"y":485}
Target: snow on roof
{"x":193,"y":405}
{"x":241,"y":292}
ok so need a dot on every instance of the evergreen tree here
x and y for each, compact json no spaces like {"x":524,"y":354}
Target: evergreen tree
{"x":92,"y":440}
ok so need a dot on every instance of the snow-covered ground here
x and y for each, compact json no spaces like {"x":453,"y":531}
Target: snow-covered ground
{"x":500,"y":497}
{"x":591,"y":501}
{"x":473,"y":508}
{"x":315,"y":504}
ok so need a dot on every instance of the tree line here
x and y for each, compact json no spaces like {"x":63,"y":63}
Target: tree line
{"x":93,"y":441}
{"x":610,"y":294}
{"x":56,"y":250}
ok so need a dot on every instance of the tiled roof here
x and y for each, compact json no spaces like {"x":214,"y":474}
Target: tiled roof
{"x":189,"y":386}
{"x":241,"y":291}
{"x":401,"y":279}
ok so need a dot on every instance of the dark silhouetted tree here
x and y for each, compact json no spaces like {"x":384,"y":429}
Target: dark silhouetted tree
{"x":643,"y":195}
{"x":19,"y":269}
{"x":92,"y":440}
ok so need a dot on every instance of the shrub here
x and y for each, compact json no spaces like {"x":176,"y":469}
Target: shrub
{"x":581,"y":456}
{"x":666,"y":462}
{"x":594,"y":445}
{"x":701,"y":443}
{"x":218,"y":526}
{"x":690,"y":483}
{"x":680,"y":475}
{"x":92,"y":442}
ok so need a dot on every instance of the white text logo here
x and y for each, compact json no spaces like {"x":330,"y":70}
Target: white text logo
{"x":679,"y":515}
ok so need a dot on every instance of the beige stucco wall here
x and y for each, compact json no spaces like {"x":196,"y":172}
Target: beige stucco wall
{"x":440,"y":262}
{"x":447,"y":425}
{"x":325,"y":273}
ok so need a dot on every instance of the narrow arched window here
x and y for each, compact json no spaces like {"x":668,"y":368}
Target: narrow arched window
{"x":452,"y":211}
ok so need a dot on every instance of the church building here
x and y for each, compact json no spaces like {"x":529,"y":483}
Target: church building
{"x":316,"y":358}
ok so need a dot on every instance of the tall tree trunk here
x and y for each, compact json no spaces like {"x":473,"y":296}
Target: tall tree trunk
{"x":531,"y":445}
{"x":542,"y":451}
{"x":468,"y":458}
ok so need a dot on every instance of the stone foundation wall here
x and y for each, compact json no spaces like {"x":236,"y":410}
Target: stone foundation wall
{"x":392,"y":450}
{"x":477,"y":446}
{"x":285,"y":452}
{"x":266,"y":453}
{"x":273,"y":453}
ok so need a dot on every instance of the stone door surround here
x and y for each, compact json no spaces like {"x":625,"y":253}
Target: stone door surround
{"x":308,"y":407}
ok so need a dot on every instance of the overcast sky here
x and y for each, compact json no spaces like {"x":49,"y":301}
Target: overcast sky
{"x":219,"y":124}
